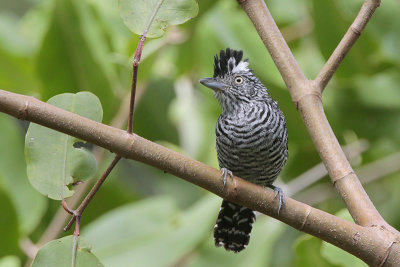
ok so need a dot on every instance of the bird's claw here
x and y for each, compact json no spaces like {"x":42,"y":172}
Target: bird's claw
{"x":278,"y":191}
{"x":225,"y":173}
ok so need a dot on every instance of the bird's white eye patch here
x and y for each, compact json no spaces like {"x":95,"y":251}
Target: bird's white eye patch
{"x":238,"y":80}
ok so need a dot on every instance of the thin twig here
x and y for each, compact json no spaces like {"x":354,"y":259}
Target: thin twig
{"x":136,"y":62}
{"x":78,"y":212}
{"x":347,"y":42}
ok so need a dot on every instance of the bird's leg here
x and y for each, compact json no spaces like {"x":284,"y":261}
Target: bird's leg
{"x":278,"y":191}
{"x":225,"y":173}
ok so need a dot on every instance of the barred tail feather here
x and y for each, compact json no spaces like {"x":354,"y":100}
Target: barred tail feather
{"x":233,"y":226}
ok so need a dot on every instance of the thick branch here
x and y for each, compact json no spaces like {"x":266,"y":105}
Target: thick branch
{"x":307,"y":97}
{"x":339,"y":169}
{"x":347,"y":42}
{"x":358,"y":240}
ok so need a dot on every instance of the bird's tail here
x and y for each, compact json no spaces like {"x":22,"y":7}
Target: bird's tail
{"x":233,"y":226}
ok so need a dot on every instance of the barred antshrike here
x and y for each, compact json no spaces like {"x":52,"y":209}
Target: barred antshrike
{"x":252,"y":141}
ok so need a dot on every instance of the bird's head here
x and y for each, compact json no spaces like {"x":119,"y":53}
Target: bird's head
{"x":233,"y":81}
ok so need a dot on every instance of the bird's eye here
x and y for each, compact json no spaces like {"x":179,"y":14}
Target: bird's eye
{"x":238,"y":80}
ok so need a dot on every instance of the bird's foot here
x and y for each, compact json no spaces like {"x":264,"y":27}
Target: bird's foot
{"x":278,"y":191}
{"x":225,"y":173}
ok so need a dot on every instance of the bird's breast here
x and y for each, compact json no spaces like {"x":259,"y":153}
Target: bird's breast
{"x":254,"y":145}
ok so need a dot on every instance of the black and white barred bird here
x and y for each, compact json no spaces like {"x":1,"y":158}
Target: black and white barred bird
{"x":252,"y":141}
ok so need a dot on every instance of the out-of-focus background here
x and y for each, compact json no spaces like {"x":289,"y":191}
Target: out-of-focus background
{"x":144,"y":217}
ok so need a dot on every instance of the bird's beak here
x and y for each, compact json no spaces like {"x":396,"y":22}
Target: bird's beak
{"x":212,"y":83}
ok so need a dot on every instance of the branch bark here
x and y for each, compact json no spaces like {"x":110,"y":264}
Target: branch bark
{"x":375,"y":245}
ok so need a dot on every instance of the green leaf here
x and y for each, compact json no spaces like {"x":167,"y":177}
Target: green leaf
{"x":59,"y":253}
{"x":29,"y":204}
{"x":338,"y":256}
{"x":156,"y":15}
{"x":53,"y":161}
{"x":151,"y":227}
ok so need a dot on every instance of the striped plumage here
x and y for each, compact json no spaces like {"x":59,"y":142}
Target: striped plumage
{"x":251,"y":142}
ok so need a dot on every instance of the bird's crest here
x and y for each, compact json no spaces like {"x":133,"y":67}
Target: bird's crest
{"x":229,"y":61}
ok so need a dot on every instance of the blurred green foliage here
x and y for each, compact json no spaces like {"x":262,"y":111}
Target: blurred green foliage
{"x":48,"y":47}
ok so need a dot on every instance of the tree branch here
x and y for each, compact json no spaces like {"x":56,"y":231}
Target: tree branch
{"x":347,"y":42}
{"x":355,"y":239}
{"x":307,"y":97}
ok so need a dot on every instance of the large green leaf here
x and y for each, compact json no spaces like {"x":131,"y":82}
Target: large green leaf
{"x":156,"y":14}
{"x":152,"y":232}
{"x":29,"y":204}
{"x":59,"y":253}
{"x":53,"y":161}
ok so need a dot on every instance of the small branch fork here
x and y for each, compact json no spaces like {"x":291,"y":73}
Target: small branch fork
{"x":77,"y":214}
{"x":306,"y":95}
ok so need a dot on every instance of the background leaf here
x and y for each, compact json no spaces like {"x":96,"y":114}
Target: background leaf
{"x":53,"y":161}
{"x":72,"y":58}
{"x":29,"y":205}
{"x":59,"y":253}
{"x":149,"y":228}
{"x":137,"y":14}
